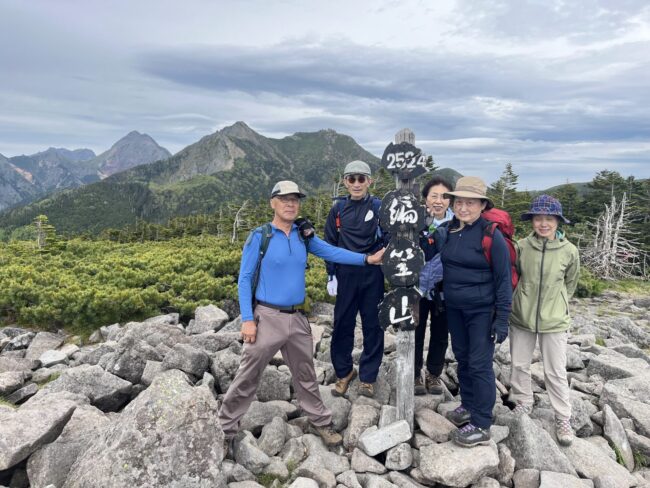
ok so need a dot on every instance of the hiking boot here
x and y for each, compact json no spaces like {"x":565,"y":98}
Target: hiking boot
{"x":470,"y":436}
{"x":330,"y":437}
{"x":341,"y":386}
{"x":564,"y":432}
{"x":418,"y":386}
{"x":521,"y":409}
{"x":366,"y":389}
{"x":433,"y":384}
{"x":459,"y":417}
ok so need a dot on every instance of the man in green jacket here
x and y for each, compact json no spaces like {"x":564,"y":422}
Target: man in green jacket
{"x":549,"y":267}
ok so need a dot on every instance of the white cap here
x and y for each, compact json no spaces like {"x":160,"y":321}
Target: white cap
{"x":286,"y":187}
{"x":357,"y":168}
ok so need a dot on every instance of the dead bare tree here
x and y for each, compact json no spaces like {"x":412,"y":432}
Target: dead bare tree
{"x":614,"y":253}
{"x":240,"y":221}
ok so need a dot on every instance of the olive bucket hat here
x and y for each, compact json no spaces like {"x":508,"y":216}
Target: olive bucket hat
{"x":471,"y":187}
{"x":545,"y":205}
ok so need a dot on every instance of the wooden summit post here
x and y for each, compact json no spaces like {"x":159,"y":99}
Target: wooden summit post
{"x":403,"y":216}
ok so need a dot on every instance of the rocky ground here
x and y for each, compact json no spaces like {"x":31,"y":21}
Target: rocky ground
{"x":138,"y":407}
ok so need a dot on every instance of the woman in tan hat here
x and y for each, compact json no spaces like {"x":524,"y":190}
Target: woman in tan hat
{"x":478,"y":297}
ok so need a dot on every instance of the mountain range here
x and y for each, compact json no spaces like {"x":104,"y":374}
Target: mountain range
{"x":230,"y":165}
{"x":26,"y":178}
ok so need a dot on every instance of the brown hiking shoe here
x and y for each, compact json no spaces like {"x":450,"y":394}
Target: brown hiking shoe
{"x":433,"y":384}
{"x":330,"y":437}
{"x":366,"y":389}
{"x":418,"y":386}
{"x":341,"y":386}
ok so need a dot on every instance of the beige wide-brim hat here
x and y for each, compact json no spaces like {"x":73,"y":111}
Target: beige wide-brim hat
{"x":286,"y":187}
{"x":471,"y":187}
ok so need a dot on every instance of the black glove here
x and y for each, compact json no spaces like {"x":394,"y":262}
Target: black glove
{"x":305,"y":227}
{"x":499,"y":331}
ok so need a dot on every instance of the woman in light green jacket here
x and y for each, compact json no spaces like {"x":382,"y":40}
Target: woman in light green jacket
{"x":549,"y":266}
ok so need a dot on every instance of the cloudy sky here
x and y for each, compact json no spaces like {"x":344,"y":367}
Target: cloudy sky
{"x":559,"y":88}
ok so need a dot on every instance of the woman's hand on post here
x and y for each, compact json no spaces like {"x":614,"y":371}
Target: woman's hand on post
{"x":377,"y":257}
{"x":248,"y":331}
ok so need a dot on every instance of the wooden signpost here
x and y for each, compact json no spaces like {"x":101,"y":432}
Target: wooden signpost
{"x":402,"y":214}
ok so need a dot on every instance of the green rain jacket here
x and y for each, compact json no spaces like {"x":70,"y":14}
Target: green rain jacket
{"x":548,"y":277}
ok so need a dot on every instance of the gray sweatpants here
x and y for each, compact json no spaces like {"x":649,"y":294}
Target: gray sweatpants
{"x":291,"y":334}
{"x":553,"y":348}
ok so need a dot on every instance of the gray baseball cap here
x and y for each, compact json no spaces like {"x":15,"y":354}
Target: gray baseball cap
{"x":357,"y":168}
{"x":286,"y":187}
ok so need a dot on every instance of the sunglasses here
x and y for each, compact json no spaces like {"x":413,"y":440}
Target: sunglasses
{"x":354,"y":178}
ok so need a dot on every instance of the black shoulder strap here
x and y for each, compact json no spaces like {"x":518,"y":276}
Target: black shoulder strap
{"x":267,"y":232}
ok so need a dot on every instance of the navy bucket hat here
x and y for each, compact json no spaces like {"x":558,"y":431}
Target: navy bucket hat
{"x":545,"y":205}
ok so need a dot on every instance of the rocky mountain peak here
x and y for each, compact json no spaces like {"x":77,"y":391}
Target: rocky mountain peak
{"x":132,"y":150}
{"x":239,"y":130}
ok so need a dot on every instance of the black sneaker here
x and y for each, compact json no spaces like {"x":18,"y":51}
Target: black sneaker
{"x":459,"y":417}
{"x":418,"y":386}
{"x":433,"y":384}
{"x":470,"y":436}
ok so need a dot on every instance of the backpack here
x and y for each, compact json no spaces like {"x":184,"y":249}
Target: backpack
{"x":500,"y":219}
{"x":267,"y":232}
{"x":340,"y":205}
{"x":496,"y":219}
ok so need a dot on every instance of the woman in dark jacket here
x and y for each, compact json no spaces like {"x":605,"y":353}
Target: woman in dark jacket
{"x":478,"y":298}
{"x":432,"y":301}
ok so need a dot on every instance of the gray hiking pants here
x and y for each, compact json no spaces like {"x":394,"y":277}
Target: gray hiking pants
{"x":291,"y":334}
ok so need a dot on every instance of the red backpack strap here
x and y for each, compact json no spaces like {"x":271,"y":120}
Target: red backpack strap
{"x":340,"y":204}
{"x":486,"y":242}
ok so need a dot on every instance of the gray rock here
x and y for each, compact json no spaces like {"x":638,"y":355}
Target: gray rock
{"x":274,"y":385}
{"x":339,"y":406}
{"x":92,"y":355}
{"x":533,"y":447}
{"x":549,"y":479}
{"x":69,"y":349}
{"x":302,"y":482}
{"x":242,"y":484}
{"x":403,"y":481}
{"x":211,"y":342}
{"x":42,"y":342}
{"x":486,"y":482}
{"x":111,"y":332}
{"x":434,"y":425}
{"x":457,"y":466}
{"x":188,"y":359}
{"x":362,"y":463}
{"x":151,"y":370}
{"x":23,"y":394}
{"x":372,"y":442}
{"x":273,"y":437}
{"x":506,"y":465}
{"x":105,"y":391}
{"x":590,"y":461}
{"x":130,"y":358}
{"x":608,"y":482}
{"x":626,"y":326}
{"x":235,"y":472}
{"x":165,"y":320}
{"x":387,"y":415}
{"x":612,"y":367}
{"x":290,"y":410}
{"x":399,"y":457}
{"x":375,"y":481}
{"x":630,"y":397}
{"x":294,"y":451}
{"x":26,"y":429}
{"x":632,"y":351}
{"x":573,"y":359}
{"x":248,"y":454}
{"x":276,"y":468}
{"x":168,"y":436}
{"x":52,"y":358}
{"x":258,"y":415}
{"x":52,"y":462}
{"x":323,"y":459}
{"x":499,"y":433}
{"x":225,"y":364}
{"x":11,"y":381}
{"x":526,"y":478}
{"x":602,"y":443}
{"x":207,"y":318}
{"x":322,"y":476}
{"x":349,"y":479}
{"x":614,"y":432}
{"x":640,"y":444}
{"x":361,"y":417}
{"x":21,"y":341}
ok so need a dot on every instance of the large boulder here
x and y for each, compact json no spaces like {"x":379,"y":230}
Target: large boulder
{"x":361,"y":417}
{"x":105,"y":390}
{"x":206,"y":319}
{"x":34,"y":424}
{"x":614,"y":366}
{"x":259,"y":414}
{"x":533,"y":448}
{"x":18,"y":364}
{"x":188,"y":359}
{"x":339,"y":406}
{"x":458,"y":466}
{"x":211,"y":342}
{"x":626,"y":326}
{"x":225,"y":364}
{"x":11,"y":381}
{"x":630,"y":397}
{"x":614,"y":432}
{"x":274,"y":385}
{"x":168,"y":436}
{"x":51,"y":463}
{"x":590,"y":461}
{"x":42,"y":342}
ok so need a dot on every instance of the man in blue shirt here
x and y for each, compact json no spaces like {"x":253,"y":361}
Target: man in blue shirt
{"x":276,"y":322}
{"x":353,"y":224}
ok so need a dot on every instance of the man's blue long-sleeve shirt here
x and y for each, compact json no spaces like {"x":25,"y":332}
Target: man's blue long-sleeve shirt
{"x":282,"y":273}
